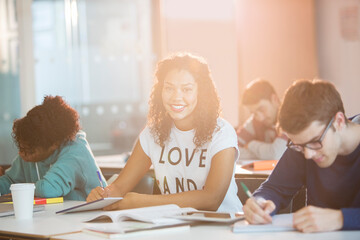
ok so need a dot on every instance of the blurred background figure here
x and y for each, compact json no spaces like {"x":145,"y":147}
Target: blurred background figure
{"x":257,"y":137}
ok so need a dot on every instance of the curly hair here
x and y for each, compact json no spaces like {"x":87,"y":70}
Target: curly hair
{"x":207,"y":109}
{"x":52,"y":122}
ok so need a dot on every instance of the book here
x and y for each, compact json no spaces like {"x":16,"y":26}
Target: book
{"x":89,"y":206}
{"x":162,"y":214}
{"x":131,"y":228}
{"x":261,"y":165}
{"x":8,"y":209}
{"x":8,"y":199}
{"x":280,"y":223}
{"x":5,"y":198}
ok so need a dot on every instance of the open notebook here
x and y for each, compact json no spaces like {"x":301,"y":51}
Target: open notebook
{"x":155,"y":214}
{"x":115,"y":224}
{"x":131,"y":228}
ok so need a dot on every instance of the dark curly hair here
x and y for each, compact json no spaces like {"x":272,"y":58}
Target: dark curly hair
{"x":207,"y":109}
{"x":52,"y":122}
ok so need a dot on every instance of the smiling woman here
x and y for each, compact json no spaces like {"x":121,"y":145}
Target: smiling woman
{"x":193,"y":151}
{"x":179,"y":97}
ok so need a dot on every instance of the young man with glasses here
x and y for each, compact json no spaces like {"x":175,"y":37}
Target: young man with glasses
{"x":323,"y":155}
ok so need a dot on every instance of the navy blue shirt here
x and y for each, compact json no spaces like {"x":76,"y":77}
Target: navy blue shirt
{"x":335,"y":187}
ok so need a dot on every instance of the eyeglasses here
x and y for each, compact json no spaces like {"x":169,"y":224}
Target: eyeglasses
{"x":314,"y":145}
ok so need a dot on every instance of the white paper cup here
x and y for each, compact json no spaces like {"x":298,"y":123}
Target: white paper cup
{"x":23,"y":199}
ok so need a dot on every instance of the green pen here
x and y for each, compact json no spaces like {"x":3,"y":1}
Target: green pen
{"x":248,"y":193}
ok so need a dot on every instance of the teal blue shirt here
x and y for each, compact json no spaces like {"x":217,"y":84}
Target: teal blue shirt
{"x":69,"y":172}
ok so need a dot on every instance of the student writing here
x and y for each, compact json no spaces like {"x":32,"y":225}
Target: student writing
{"x":257,"y":137}
{"x":323,"y":154}
{"x":53,"y":153}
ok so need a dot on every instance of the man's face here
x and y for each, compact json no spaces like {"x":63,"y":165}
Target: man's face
{"x":326,"y":155}
{"x":265,"y":111}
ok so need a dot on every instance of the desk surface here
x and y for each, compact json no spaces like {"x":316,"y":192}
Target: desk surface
{"x":215,"y":232}
{"x":49,"y":225}
{"x":45,"y":223}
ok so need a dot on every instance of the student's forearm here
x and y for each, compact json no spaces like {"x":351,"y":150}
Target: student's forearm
{"x":5,"y":183}
{"x":351,"y":218}
{"x":199,"y":199}
{"x":126,"y":181}
{"x":46,"y":188}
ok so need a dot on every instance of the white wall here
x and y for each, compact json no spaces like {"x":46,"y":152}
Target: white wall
{"x":338,"y":39}
{"x":206,"y":28}
{"x":276,"y":42}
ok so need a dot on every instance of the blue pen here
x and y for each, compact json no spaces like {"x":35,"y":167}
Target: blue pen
{"x":101,"y":184}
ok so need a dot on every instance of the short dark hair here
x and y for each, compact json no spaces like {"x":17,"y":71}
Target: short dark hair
{"x":306,"y":101}
{"x":52,"y":122}
{"x":257,"y":90}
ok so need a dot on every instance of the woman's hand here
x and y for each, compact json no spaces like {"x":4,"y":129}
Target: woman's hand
{"x":98,"y":193}
{"x":130,"y":200}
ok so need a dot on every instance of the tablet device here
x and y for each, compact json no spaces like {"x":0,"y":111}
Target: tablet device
{"x":94,"y":205}
{"x":209,"y":216}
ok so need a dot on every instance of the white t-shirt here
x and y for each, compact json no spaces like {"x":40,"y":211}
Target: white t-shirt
{"x":179,"y":167}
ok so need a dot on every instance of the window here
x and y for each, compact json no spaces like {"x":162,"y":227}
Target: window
{"x":99,"y":56}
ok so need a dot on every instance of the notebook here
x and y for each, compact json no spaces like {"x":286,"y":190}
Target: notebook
{"x":131,"y":228}
{"x":94,"y":205}
{"x":121,"y":223}
{"x":280,"y":223}
{"x":162,"y":214}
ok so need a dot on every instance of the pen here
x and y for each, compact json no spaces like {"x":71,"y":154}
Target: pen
{"x":248,"y":193}
{"x":101,"y":184}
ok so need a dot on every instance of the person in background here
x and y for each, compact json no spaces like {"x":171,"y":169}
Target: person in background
{"x":53,"y":153}
{"x":323,"y":155}
{"x":257,"y":137}
{"x":192,"y":149}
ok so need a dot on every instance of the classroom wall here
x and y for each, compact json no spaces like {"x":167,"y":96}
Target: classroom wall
{"x":338,"y":39}
{"x":276,"y":41}
{"x":206,"y":28}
